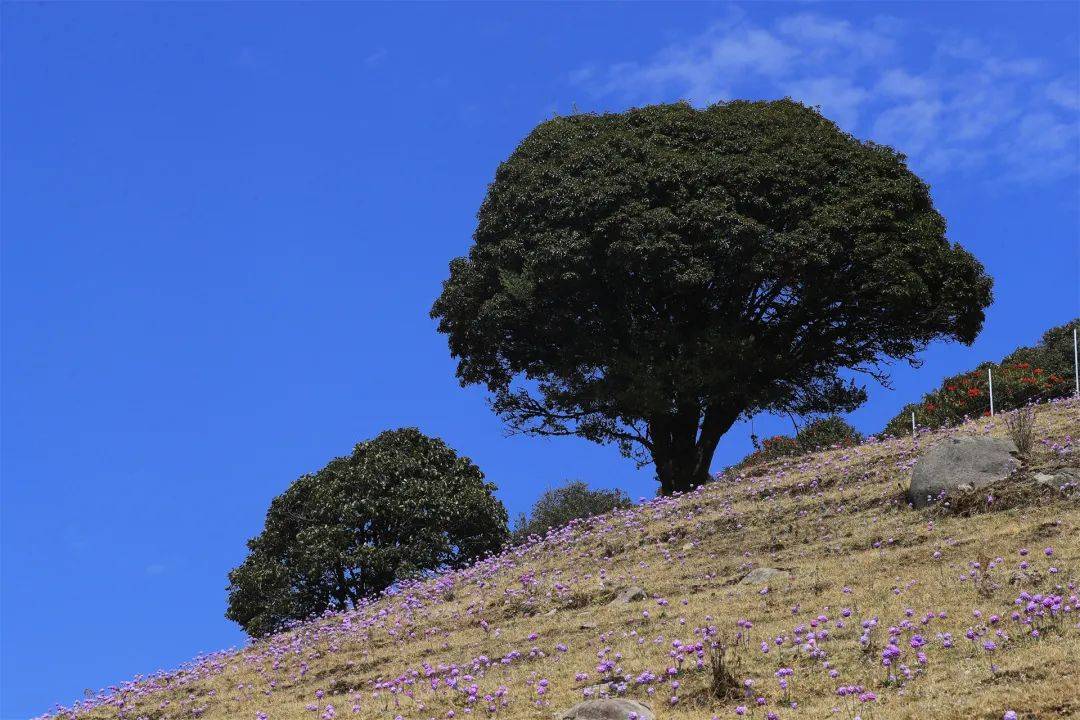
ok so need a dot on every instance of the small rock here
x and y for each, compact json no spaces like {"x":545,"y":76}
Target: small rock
{"x":609,"y":709}
{"x":688,"y":546}
{"x":628,"y":596}
{"x":762,"y":575}
{"x":789,"y":651}
{"x":588,"y":625}
{"x":599,"y":690}
{"x":1044,"y":479}
{"x":1064,"y":480}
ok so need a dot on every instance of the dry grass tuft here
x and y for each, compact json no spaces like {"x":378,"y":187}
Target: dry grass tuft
{"x":724,"y":671}
{"x":1020,"y":426}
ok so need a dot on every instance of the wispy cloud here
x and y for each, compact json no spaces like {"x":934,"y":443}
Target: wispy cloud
{"x":376,"y":57}
{"x":952,"y":104}
{"x":247,"y":58}
{"x":1064,"y":92}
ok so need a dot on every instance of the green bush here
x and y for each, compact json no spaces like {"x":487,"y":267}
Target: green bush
{"x":558,"y":506}
{"x":1040,"y":372}
{"x":827,"y":432}
{"x":818,"y":435}
{"x":772,"y":448}
{"x":400,"y":505}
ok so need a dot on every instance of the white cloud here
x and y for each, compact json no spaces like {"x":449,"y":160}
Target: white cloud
{"x":957,"y":104}
{"x":1044,"y":146}
{"x":831,"y":37}
{"x":1064,"y":92}
{"x":913,"y":125}
{"x":902,"y":84}
{"x":838,"y":97}
{"x":706,"y":68}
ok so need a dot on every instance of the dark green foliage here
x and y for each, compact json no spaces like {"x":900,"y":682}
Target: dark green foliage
{"x":772,"y":448}
{"x":1053,"y":353}
{"x":1040,"y":372}
{"x":826,"y":432}
{"x":398,"y":506}
{"x":648,"y":277}
{"x":558,"y":506}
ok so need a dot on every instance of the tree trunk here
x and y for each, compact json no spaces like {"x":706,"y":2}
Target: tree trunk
{"x":682,"y":472}
{"x":683,"y":452}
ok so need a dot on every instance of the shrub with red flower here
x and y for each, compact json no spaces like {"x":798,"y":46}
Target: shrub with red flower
{"x":1028,"y":374}
{"x":821,"y":433}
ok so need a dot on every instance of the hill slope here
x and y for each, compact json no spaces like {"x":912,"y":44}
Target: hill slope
{"x":526,"y":634}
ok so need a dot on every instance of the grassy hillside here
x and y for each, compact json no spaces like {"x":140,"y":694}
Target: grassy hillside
{"x":525,"y":634}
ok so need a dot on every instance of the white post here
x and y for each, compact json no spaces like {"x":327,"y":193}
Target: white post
{"x":990,"y":375}
{"x":1076,"y":364}
{"x":912,"y":424}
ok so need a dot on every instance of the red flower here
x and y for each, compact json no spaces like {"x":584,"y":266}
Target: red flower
{"x":974,"y":392}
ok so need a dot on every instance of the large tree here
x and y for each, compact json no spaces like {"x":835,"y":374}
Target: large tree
{"x":648,"y":277}
{"x":399,"y":505}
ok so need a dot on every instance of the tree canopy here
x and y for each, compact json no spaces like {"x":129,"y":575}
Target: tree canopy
{"x":648,"y":277}
{"x":399,"y":505}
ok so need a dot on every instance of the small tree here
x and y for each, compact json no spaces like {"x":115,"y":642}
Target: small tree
{"x":826,"y":432}
{"x":399,"y":505}
{"x":558,"y":506}
{"x":648,"y":277}
{"x":817,"y":435}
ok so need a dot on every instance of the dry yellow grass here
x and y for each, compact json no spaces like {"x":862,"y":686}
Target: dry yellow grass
{"x":531,"y":620}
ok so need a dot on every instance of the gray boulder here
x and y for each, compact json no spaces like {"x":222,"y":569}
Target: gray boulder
{"x":961,"y":463}
{"x":608,"y":709}
{"x":763,"y":575}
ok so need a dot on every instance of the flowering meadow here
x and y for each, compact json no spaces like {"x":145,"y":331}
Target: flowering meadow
{"x":880,"y":611}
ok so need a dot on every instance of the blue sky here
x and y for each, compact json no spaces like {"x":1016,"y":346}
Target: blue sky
{"x":223,"y":227}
